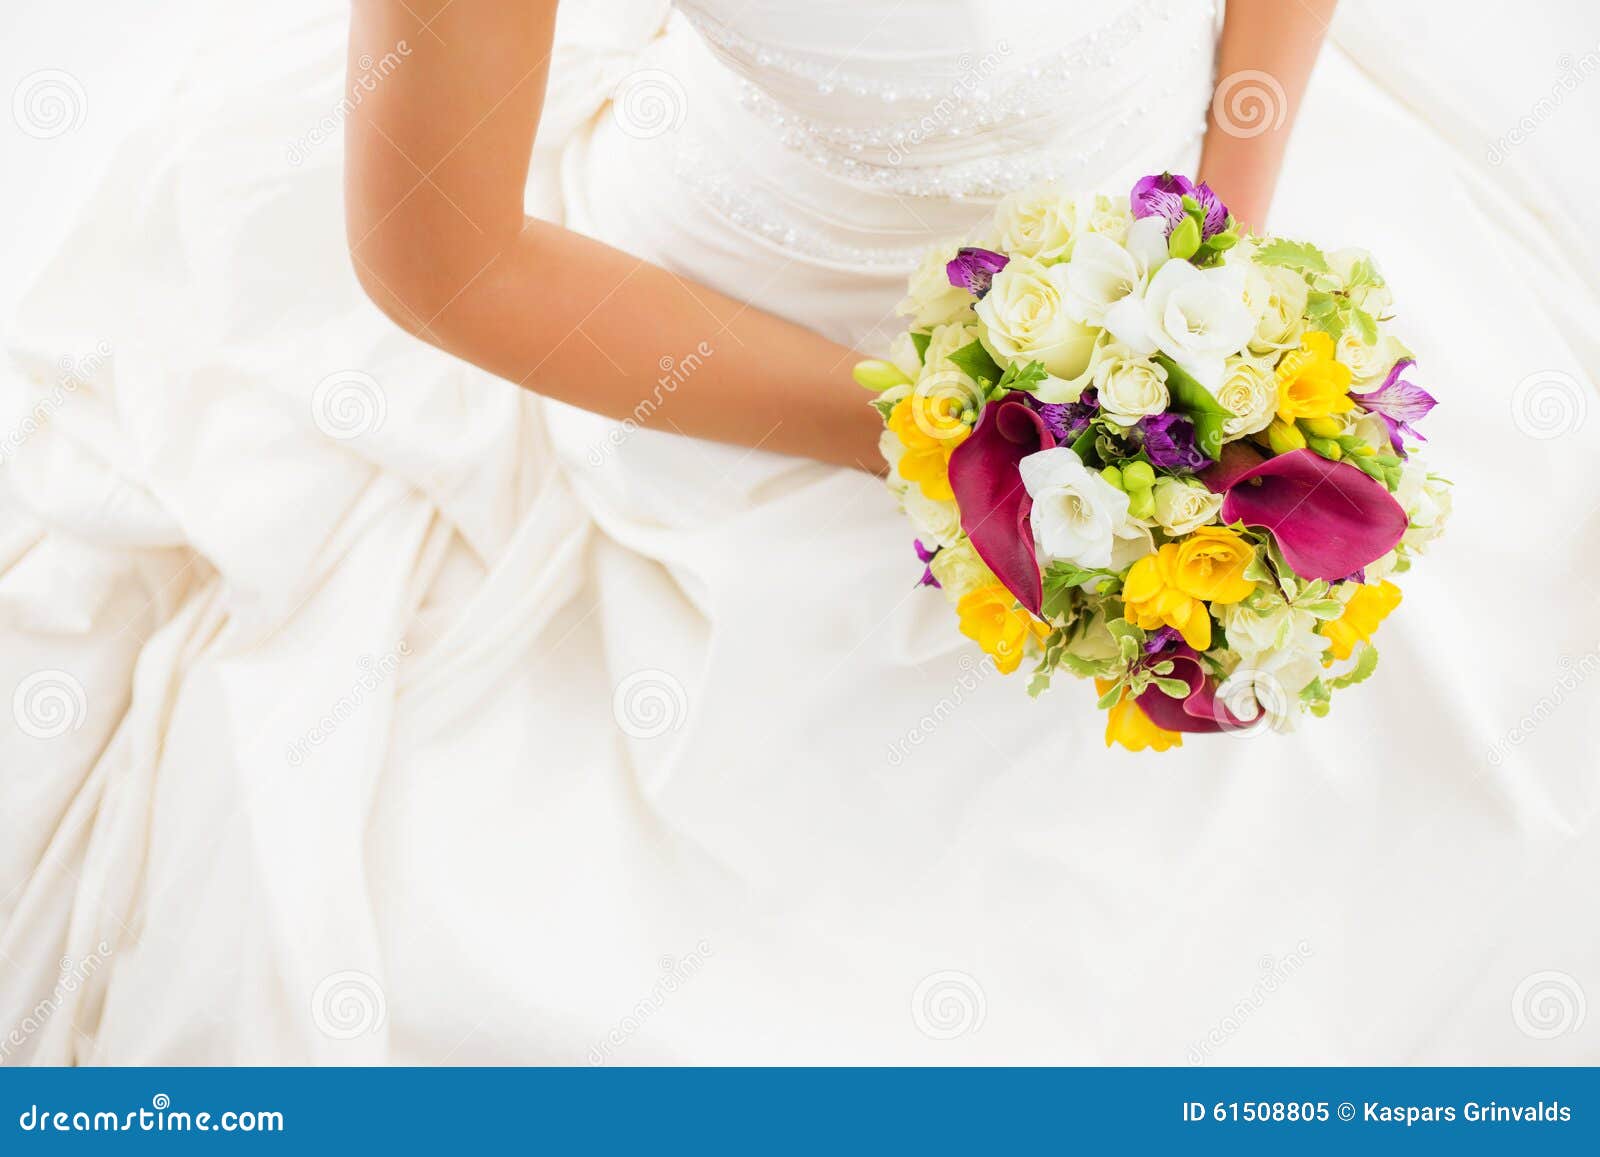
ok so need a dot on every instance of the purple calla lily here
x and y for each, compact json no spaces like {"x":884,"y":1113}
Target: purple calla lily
{"x":1198,"y":711}
{"x":1399,"y":403}
{"x":1328,"y":518}
{"x":973,"y":269}
{"x":994,"y":503}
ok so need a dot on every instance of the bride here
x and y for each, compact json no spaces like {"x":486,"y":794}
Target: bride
{"x":601,"y":721}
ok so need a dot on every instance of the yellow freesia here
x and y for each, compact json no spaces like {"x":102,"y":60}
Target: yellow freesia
{"x":1132,"y":728}
{"x":992,"y":617}
{"x":1171,"y":587}
{"x":930,"y":428}
{"x":1311,"y":383}
{"x":1368,"y":607}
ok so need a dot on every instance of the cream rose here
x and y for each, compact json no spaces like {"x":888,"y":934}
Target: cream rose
{"x":1368,"y":363}
{"x":1250,"y":390}
{"x":1104,"y":216}
{"x":1182,"y":507}
{"x":930,"y":298}
{"x":1036,"y":222}
{"x":960,"y":571}
{"x":1276,"y":299}
{"x":937,"y":522}
{"x":1025,"y":318}
{"x":1130,"y":388}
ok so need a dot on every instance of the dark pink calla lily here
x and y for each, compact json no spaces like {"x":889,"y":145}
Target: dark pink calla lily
{"x":994,"y":503}
{"x":1328,"y":518}
{"x":1196,"y":712}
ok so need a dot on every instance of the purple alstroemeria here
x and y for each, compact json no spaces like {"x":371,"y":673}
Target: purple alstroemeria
{"x":1399,"y":403}
{"x":973,"y":269}
{"x":1162,"y":194}
{"x":926,"y":556}
{"x":1066,"y":420}
{"x":1170,"y":443}
{"x":1162,"y":639}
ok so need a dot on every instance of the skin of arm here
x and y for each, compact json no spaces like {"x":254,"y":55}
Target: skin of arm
{"x":1280,"y":38}
{"x":436,"y":159}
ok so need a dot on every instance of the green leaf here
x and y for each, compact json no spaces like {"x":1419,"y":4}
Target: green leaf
{"x":1366,"y":327}
{"x":1366,"y":664}
{"x":974,"y":361}
{"x":1083,"y":444}
{"x":1198,"y":404}
{"x":920,"y":341}
{"x":1177,"y":688}
{"x":1111,"y":698}
{"x":1023,"y":377}
{"x":1300,"y":255}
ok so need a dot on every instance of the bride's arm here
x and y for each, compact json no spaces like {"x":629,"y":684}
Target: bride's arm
{"x":436,"y":158}
{"x":1279,"y":39}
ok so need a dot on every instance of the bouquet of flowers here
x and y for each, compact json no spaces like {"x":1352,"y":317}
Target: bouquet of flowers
{"x":1144,"y":447}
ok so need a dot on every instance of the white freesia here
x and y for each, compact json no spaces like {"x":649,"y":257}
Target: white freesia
{"x":1130,"y":388}
{"x":1101,"y":214}
{"x":1035,"y":222}
{"x":1103,"y":271}
{"x":1024,"y":318}
{"x":1183,"y":507}
{"x":1078,"y":516}
{"x":1276,"y":299}
{"x":1426,"y":501}
{"x":930,"y":298}
{"x":903,"y":353}
{"x":1250,"y":390}
{"x":1197,"y":317}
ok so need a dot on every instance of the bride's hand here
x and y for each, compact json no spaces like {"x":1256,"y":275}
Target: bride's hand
{"x":1264,"y":59}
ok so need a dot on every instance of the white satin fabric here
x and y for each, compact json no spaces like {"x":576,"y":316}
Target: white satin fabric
{"x":501,"y":732}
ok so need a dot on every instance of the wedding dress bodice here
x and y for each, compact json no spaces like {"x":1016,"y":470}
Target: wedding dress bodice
{"x":853,"y":131}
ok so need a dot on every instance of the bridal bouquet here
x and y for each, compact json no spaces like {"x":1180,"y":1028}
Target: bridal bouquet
{"x":1143,"y":447}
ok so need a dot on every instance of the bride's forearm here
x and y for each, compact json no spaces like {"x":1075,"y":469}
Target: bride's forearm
{"x":1264,"y":60}
{"x":437,"y":155}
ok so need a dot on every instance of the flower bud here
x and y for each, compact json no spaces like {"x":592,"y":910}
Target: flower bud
{"x":1142,"y":503}
{"x":1112,"y":475}
{"x":1185,"y":240}
{"x":1138,"y":475}
{"x":1284,"y":437}
{"x":1322,"y":427}
{"x":878,"y":375}
{"x":1327,"y":447}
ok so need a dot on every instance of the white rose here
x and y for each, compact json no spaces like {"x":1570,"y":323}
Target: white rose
{"x":1106,"y":216}
{"x":1250,"y":390}
{"x":936,"y":521}
{"x":1427,"y":502}
{"x":942,"y":342}
{"x":1103,"y":272}
{"x":1268,"y":684}
{"x":1376,"y":572}
{"x":903,"y":353}
{"x":1024,"y":318}
{"x":1130,"y":388}
{"x":892,"y":449}
{"x":1254,"y":629}
{"x":1374,"y":431}
{"x":1036,"y":222}
{"x":1276,"y":299}
{"x":960,"y":571}
{"x":1375,"y":299}
{"x":1197,"y":317}
{"x":1077,"y":515}
{"x":1369,"y":364}
{"x":930,"y":298}
{"x":1182,"y":507}
{"x":1094,"y":641}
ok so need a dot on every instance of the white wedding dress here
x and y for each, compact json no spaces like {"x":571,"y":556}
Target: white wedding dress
{"x":368,"y":709}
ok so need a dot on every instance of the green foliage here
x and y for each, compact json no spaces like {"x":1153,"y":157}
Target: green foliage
{"x":1366,"y":664}
{"x":974,"y":361}
{"x":920,"y":341}
{"x":1298,"y":255}
{"x":1196,"y":403}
